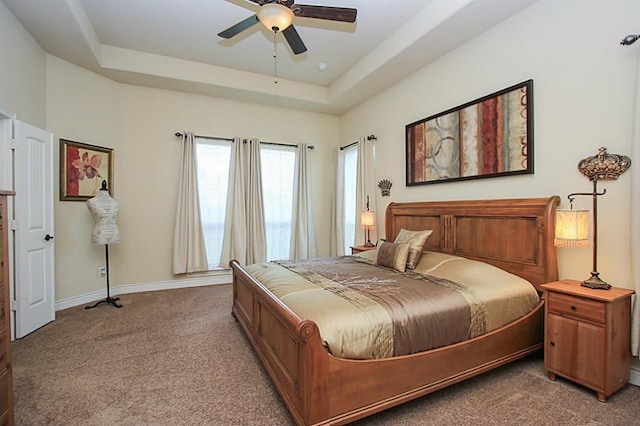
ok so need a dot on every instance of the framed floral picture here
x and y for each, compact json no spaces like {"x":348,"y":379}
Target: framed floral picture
{"x":83,"y":167}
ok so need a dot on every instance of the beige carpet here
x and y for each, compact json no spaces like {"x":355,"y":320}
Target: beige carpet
{"x":177,"y":357}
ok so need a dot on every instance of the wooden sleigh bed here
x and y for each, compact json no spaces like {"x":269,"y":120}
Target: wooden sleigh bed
{"x":320,"y":389}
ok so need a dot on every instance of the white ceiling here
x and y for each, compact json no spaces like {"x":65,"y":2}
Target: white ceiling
{"x":173,"y":44}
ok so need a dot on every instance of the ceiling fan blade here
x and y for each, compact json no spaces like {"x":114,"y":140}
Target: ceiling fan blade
{"x":294,"y":40}
{"x":343,"y":14}
{"x":239,"y":27}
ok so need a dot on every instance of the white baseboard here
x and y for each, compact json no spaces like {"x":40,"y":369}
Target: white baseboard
{"x":634,"y":379}
{"x":224,"y":278}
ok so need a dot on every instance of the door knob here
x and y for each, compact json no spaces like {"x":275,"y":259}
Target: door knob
{"x":48,"y":237}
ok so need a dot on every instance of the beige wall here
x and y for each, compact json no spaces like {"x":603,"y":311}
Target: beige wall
{"x":82,"y":107}
{"x":22,"y":73}
{"x":583,"y":99}
{"x":139,"y":123}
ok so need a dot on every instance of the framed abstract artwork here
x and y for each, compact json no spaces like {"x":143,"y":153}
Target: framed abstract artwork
{"x":83,"y":167}
{"x":488,"y":137}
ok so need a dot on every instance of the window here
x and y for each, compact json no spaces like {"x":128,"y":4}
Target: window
{"x":278,"y":164}
{"x":214,"y":157}
{"x":350,"y":173}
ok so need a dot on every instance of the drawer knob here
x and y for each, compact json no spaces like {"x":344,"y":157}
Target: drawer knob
{"x":552,"y":343}
{"x":573,"y":307}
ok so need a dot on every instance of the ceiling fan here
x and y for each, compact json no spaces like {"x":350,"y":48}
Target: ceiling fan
{"x":277,"y":16}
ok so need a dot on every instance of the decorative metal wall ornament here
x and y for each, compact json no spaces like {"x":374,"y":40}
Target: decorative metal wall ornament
{"x":604,"y":165}
{"x":385,"y":187}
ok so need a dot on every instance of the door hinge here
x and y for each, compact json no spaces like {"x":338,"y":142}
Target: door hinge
{"x":13,"y":225}
{"x":12,"y":305}
{"x":12,"y":143}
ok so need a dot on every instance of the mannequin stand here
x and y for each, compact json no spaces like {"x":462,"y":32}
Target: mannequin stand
{"x":113,"y":301}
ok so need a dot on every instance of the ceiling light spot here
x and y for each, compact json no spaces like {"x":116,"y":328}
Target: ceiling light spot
{"x":322,"y":66}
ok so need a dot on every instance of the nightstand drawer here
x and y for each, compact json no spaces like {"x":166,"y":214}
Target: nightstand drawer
{"x":592,"y":310}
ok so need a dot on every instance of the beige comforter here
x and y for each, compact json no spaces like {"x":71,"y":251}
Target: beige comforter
{"x":374,"y":312}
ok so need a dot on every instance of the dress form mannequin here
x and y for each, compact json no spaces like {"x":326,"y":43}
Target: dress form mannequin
{"x":104,"y":211}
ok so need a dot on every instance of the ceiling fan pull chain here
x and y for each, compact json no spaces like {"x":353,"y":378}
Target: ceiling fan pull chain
{"x":275,"y":59}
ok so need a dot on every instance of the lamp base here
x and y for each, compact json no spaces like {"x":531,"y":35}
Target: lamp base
{"x":596,"y":282}
{"x":113,"y":301}
{"x":369,"y":243}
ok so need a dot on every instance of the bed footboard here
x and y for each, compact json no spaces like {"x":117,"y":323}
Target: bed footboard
{"x":289,"y":347}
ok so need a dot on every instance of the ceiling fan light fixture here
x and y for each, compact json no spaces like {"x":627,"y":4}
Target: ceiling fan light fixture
{"x":275,"y":17}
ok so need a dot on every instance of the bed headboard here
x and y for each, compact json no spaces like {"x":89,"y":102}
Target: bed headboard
{"x":513,"y":234}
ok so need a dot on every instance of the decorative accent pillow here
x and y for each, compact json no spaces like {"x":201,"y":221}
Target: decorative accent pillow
{"x":416,"y":241}
{"x":393,"y":255}
{"x":367,"y":256}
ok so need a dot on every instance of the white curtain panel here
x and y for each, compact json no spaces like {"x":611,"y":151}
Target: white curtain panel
{"x":245,"y":238}
{"x":189,"y":252}
{"x":336,"y":247}
{"x":635,"y":216}
{"x":303,"y":236}
{"x":366,"y":185}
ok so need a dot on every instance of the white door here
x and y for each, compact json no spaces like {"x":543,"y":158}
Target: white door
{"x":34,"y":268}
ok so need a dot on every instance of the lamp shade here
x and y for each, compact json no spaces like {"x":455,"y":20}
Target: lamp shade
{"x":368,"y":219}
{"x":572,"y":228}
{"x":275,"y":17}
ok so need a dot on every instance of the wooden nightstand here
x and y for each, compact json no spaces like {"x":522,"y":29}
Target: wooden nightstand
{"x":587,"y":335}
{"x":358,"y":249}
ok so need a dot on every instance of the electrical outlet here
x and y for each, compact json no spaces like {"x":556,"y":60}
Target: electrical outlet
{"x":102,"y":271}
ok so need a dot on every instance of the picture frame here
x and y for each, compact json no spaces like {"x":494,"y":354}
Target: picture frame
{"x":83,"y":167}
{"x":488,"y":137}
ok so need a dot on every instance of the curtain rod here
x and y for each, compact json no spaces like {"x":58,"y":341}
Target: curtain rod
{"x":369,"y":138}
{"x":179,"y":135}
